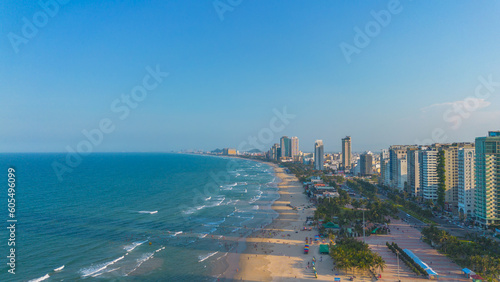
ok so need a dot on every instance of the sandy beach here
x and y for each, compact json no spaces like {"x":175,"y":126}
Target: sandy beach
{"x":276,"y":253}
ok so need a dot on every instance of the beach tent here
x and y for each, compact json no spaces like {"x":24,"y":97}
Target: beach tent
{"x":331,"y":225}
{"x":306,"y":249}
{"x":324,"y":249}
{"x":468,"y":273}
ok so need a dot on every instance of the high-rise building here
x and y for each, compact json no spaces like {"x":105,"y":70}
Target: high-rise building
{"x":466,"y":182}
{"x":396,"y":153}
{"x":413,"y":172}
{"x":487,"y":174}
{"x":402,"y":174}
{"x":294,"y":151}
{"x":286,"y":147}
{"x":428,"y":173}
{"x":318,"y":155}
{"x":451,"y":173}
{"x":274,"y":153}
{"x":385,"y":170}
{"x":346,"y":153}
{"x":366,"y":163}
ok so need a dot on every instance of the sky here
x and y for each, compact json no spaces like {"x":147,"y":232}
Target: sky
{"x":213,"y":74}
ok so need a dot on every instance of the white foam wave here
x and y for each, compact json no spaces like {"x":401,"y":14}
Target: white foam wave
{"x":203,"y":258}
{"x":176,"y":233}
{"x":98,"y":268}
{"x":134,"y":245}
{"x":111,"y":270}
{"x":150,"y":212}
{"x":256,"y":207}
{"x":208,"y":198}
{"x":45,"y":277}
{"x":59,"y":268}
{"x":145,"y":258}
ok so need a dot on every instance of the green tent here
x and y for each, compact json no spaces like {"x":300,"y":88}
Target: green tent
{"x":324,"y":249}
{"x":331,"y":225}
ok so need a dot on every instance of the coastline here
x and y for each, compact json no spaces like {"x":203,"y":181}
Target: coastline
{"x":275,"y":252}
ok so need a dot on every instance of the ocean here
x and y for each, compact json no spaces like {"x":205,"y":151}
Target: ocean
{"x":131,"y":216}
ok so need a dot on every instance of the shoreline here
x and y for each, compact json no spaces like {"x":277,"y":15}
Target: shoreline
{"x":230,"y":266}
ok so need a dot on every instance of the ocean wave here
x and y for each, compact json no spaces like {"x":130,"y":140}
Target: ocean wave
{"x":232,"y":202}
{"x":45,"y":277}
{"x":150,"y":212}
{"x":256,"y":198}
{"x":203,"y":258}
{"x":145,"y":258}
{"x":59,"y":269}
{"x":216,"y":222}
{"x":220,"y":200}
{"x":111,"y":270}
{"x":175,"y":233}
{"x":98,"y":268}
{"x":134,"y":245}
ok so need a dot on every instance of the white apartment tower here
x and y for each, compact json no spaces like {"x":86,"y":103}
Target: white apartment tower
{"x":466,"y":182}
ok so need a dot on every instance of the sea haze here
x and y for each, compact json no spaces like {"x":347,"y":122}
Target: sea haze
{"x":100,"y":220}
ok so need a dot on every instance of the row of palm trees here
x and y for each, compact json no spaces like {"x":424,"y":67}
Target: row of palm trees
{"x":352,"y":255}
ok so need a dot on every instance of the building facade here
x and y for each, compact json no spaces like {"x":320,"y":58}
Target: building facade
{"x":487,"y":177}
{"x":413,"y":172}
{"x":466,"y":182}
{"x":366,"y":163}
{"x":286,"y":147}
{"x":318,"y":155}
{"x":396,"y":153}
{"x":346,"y":153}
{"x":428,"y":173}
{"x":294,"y":149}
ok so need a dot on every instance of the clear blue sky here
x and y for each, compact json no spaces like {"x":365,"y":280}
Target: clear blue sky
{"x":226,"y":76}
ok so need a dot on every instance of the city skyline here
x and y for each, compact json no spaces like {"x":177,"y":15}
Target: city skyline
{"x":224,"y":76}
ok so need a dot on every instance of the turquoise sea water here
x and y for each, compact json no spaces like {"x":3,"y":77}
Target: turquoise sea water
{"x":98,"y":222}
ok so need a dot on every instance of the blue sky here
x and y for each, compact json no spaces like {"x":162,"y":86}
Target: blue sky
{"x":226,"y":76}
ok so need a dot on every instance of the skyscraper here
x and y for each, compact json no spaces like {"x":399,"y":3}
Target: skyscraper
{"x":487,"y":174}
{"x":466,"y":182}
{"x":366,"y":163}
{"x":294,"y":154}
{"x":286,"y":147}
{"x":428,"y":173}
{"x":318,"y":155}
{"x":346,"y":153}
{"x":396,"y":153}
{"x":451,"y":172}
{"x":413,"y":172}
{"x":385,"y":169}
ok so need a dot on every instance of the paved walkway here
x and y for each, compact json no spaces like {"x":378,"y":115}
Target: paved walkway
{"x":409,"y":238}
